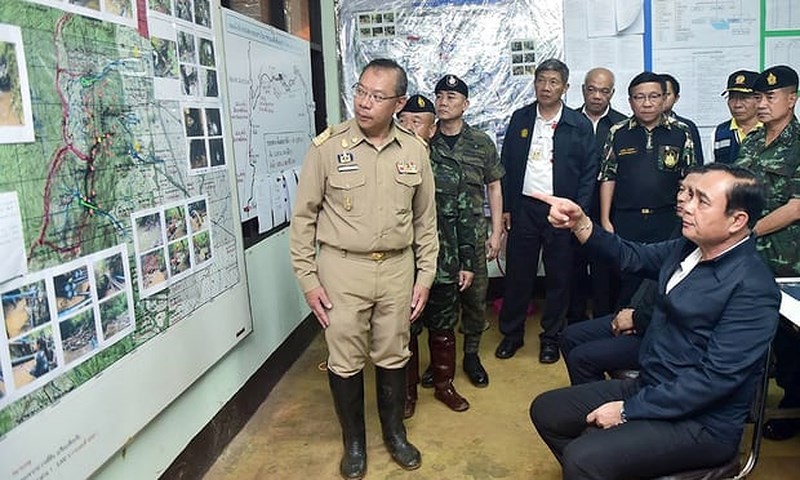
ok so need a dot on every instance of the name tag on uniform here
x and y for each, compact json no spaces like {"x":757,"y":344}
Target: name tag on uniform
{"x":407,"y":168}
{"x":347,"y":167}
{"x":536,"y":152}
{"x":724,"y":143}
{"x":627,"y":151}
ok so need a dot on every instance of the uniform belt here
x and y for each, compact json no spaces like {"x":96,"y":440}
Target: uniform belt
{"x":377,"y":256}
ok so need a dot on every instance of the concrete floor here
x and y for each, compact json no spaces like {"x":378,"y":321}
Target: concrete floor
{"x":295,"y":434}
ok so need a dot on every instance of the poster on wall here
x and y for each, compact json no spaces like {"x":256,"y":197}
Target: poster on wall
{"x":113,"y":237}
{"x":272,"y":109}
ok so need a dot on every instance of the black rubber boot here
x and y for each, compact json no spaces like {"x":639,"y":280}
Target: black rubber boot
{"x":391,"y":386}
{"x":348,"y":398}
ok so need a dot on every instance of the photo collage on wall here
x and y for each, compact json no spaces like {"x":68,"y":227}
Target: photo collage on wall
{"x":376,"y":25}
{"x":171,"y":242}
{"x":57,"y":318}
{"x":185,"y":68}
{"x":203,"y":127}
{"x":523,"y":57}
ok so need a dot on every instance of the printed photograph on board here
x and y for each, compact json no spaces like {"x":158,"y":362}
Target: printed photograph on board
{"x":32,"y":356}
{"x":73,"y":291}
{"x":16,"y":118}
{"x":78,"y":336}
{"x":25,"y":308}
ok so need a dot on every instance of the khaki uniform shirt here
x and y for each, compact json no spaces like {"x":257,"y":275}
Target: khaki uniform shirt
{"x":362,"y":199}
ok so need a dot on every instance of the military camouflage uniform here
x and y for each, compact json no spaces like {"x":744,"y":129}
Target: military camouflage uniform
{"x":457,"y":240}
{"x":779,"y":167}
{"x":478,"y":157}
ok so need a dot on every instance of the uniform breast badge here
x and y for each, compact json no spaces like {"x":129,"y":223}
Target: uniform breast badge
{"x":407,"y":168}
{"x":670,"y":158}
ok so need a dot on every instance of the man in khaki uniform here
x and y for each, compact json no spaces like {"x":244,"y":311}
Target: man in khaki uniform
{"x":366,"y":198}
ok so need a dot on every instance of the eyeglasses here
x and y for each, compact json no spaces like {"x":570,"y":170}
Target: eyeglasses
{"x":592,"y":90}
{"x":640,"y":97}
{"x":361,"y":92}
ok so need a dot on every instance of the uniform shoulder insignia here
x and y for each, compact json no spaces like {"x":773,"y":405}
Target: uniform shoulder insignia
{"x":322,"y":137}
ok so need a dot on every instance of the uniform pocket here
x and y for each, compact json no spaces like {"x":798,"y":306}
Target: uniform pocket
{"x":348,"y":193}
{"x":405,"y":185}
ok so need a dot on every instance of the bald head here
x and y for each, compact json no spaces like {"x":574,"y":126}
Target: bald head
{"x":598,"y":88}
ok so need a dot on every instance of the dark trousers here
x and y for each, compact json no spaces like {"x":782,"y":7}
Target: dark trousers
{"x":595,"y":278}
{"x":656,"y":226}
{"x":636,"y":449}
{"x":531,"y":231}
{"x":786,"y":346}
{"x":590,"y":349}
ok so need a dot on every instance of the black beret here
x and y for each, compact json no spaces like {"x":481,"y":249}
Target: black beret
{"x":451,"y":83}
{"x":418,"y":104}
{"x":741,"y":81}
{"x":775,"y":77}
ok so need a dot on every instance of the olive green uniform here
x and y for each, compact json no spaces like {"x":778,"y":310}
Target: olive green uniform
{"x":477,"y":154}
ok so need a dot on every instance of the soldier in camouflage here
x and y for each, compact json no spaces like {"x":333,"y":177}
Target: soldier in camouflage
{"x":457,"y":241}
{"x":477,"y":155}
{"x":773,"y":152}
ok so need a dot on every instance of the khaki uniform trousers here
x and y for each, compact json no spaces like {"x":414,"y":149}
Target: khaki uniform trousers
{"x":371,"y":311}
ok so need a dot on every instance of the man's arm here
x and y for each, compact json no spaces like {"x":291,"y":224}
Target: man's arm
{"x":466,"y":237}
{"x":780,"y":218}
{"x":494,"y":191}
{"x":303,"y":234}
{"x":606,"y":197}
{"x":426,"y":237}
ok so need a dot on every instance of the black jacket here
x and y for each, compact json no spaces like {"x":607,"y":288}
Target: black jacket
{"x":575,"y":157}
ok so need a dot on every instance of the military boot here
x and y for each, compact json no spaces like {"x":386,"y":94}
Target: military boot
{"x":348,"y":398}
{"x":443,"y":364}
{"x":391,"y":386}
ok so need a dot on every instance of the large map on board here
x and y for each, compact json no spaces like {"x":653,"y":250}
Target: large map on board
{"x":108,"y":203}
{"x":272,"y":110}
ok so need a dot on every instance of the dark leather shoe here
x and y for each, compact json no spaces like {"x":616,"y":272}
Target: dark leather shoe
{"x":427,"y":378}
{"x":780,"y":429}
{"x":475,"y":371}
{"x":549,"y":353}
{"x":507,"y":348}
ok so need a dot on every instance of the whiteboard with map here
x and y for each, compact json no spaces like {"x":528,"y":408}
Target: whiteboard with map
{"x":272,"y":115}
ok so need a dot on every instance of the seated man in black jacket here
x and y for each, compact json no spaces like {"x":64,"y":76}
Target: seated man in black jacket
{"x":701,"y":357}
{"x":610,"y":342}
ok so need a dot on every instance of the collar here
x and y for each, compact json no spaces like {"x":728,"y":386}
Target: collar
{"x":734,"y":125}
{"x":664,"y":121}
{"x":555,"y":119}
{"x":604,"y":115}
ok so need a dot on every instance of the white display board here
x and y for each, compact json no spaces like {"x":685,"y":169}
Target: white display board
{"x":272,"y":113}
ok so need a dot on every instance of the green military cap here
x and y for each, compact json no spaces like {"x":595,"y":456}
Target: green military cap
{"x":741,"y":81}
{"x":418,"y":104}
{"x":451,"y":83}
{"x":779,"y":76}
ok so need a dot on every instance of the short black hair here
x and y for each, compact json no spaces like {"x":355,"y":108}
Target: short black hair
{"x":553,"y":65}
{"x":747,"y":193}
{"x":646,"y":77}
{"x":676,"y":86}
{"x":389,"y":64}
